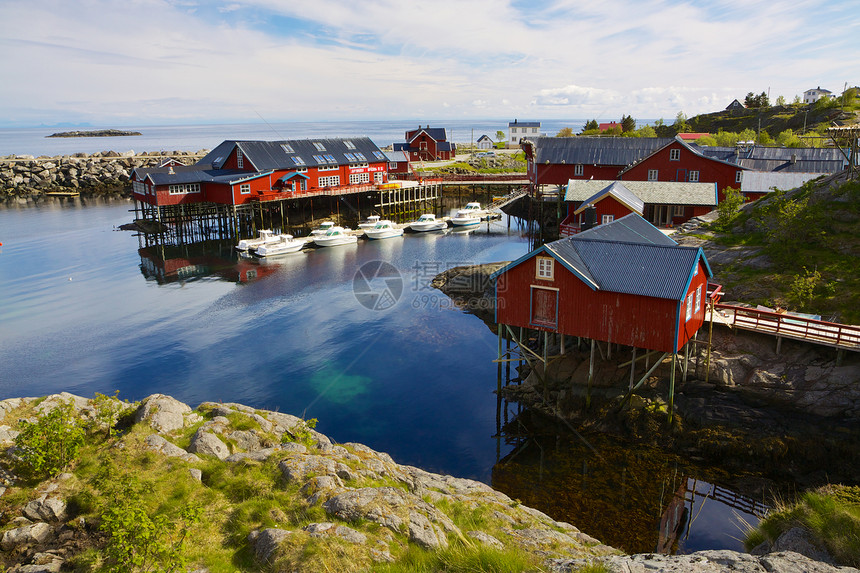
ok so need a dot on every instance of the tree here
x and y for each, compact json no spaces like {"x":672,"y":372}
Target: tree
{"x":780,"y":101}
{"x":500,"y":135}
{"x":591,"y":125}
{"x":663,"y":130}
{"x":565,"y":132}
{"x":681,"y":125}
{"x":627,"y":123}
{"x":756,"y":101}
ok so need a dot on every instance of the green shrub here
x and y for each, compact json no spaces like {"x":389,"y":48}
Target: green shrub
{"x":47,"y":446}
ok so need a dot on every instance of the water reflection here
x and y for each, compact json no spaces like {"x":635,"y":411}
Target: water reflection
{"x":638,"y":499}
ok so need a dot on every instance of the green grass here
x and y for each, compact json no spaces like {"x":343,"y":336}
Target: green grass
{"x":461,"y":558}
{"x":831,"y":514}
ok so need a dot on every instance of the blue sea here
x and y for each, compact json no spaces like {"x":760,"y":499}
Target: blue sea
{"x":34,"y":140}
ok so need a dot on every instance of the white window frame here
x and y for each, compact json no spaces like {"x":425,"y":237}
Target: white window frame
{"x":377,"y":177}
{"x":675,"y":154}
{"x":330,"y":181}
{"x":604,"y":219}
{"x":653,"y":175}
{"x":739,"y":176}
{"x":544,"y":268}
{"x":349,"y":144}
{"x":698,"y":297}
{"x":579,"y":169}
{"x":319,"y":146}
{"x":689,"y":306}
{"x":240,"y":159}
{"x":244,"y":188}
{"x":679,"y":211}
{"x":693,"y":176}
{"x":183,"y":189}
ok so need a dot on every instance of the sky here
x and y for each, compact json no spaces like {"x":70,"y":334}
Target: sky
{"x":164,"y":62}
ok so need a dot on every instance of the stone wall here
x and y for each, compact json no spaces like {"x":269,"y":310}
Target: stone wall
{"x":105,"y":171}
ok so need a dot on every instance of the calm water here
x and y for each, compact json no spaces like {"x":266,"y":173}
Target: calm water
{"x":33,"y":141}
{"x":86,"y":308}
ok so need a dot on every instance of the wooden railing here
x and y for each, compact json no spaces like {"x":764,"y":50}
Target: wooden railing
{"x":843,"y":336}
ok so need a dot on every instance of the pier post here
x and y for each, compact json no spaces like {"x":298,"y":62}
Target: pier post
{"x":672,"y":386}
{"x":590,"y":376}
{"x":686,"y":361}
{"x":632,"y":367}
{"x":710,"y":337}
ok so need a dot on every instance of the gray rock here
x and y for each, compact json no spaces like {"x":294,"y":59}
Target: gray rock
{"x":27,"y":535}
{"x":49,"y":509}
{"x":7,"y":435}
{"x":158,"y":444}
{"x":800,"y":541}
{"x":208,"y":444}
{"x":299,"y":468}
{"x":425,"y":533}
{"x":196,"y":474}
{"x":330,"y":529}
{"x":258,"y":456}
{"x":266,"y":542}
{"x":245,"y":440}
{"x":486,"y":539}
{"x":163,"y":413}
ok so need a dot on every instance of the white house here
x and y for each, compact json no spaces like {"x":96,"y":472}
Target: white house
{"x":484,"y":142}
{"x":520,"y":129}
{"x":812,"y":96}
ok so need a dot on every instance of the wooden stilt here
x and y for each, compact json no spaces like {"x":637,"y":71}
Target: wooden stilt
{"x":632,"y":367}
{"x":590,"y":375}
{"x":686,"y":361}
{"x":710,"y":337}
{"x":672,"y":386}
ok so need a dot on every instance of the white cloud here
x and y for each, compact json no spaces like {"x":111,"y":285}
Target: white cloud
{"x":153,"y":60}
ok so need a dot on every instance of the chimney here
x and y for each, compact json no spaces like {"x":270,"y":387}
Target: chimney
{"x":793,"y":158}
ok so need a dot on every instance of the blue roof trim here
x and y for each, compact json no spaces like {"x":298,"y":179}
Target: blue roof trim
{"x":293,"y":175}
{"x":543,"y":249}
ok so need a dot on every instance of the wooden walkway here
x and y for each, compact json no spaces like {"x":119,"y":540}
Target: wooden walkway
{"x":840,"y":336}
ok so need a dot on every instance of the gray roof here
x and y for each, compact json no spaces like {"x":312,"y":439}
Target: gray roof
{"x":650,"y":192}
{"x":628,"y":255}
{"x":437,"y":133}
{"x":268,"y":155}
{"x":629,"y":229}
{"x":649,"y":266}
{"x":397,"y":156}
{"x":581,"y":150}
{"x":517,"y":123}
{"x":621,"y":193}
{"x":196,"y":175}
{"x":788,"y":159}
{"x":764,"y":182}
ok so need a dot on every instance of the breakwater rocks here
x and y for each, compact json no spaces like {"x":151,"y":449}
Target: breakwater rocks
{"x":95,"y":133}
{"x":23,"y":176}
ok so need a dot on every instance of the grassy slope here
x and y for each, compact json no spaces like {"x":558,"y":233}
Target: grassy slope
{"x":811,"y":239}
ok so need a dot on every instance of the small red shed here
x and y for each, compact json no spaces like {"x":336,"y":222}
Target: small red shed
{"x":624,"y":282}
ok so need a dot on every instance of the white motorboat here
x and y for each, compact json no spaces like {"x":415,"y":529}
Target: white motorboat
{"x":266,"y":236}
{"x":384,"y":229}
{"x":323,"y":228}
{"x":286,"y":244}
{"x":464,"y":218}
{"x":335,"y":236}
{"x":428,"y":222}
{"x":475,"y":209}
{"x":370,"y":223}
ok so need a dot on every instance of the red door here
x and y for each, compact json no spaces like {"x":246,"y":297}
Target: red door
{"x":544,"y":303}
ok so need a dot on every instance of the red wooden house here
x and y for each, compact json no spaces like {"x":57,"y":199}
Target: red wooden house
{"x":427,"y":144}
{"x":680,"y":161}
{"x":241,"y":172}
{"x":662,"y":204}
{"x":624,"y":283}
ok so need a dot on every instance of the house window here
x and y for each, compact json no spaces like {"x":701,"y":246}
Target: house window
{"x":578,"y":170}
{"x":698,"y":297}
{"x":690,"y":306}
{"x":739,"y":175}
{"x":693,"y":176}
{"x":350,"y":157}
{"x":652,"y":175}
{"x":349,"y":144}
{"x":330,"y":181}
{"x":356,"y":178}
{"x":360,"y":156}
{"x":328,"y":168}
{"x":184,"y":189}
{"x":319,"y":146}
{"x":423,"y":145}
{"x":240,"y":159}
{"x":298,"y":160}
{"x":245,"y":188}
{"x":377,"y":177}
{"x":604,"y":219}
{"x":679,"y":211}
{"x":379,"y":155}
{"x":545,"y":268}
{"x":674,"y":155}
{"x":534,"y":130}
{"x":544,"y":306}
{"x":287,"y":147}
{"x":392,"y":166}
{"x":513,"y":130}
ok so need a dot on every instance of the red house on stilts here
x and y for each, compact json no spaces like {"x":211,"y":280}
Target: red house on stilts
{"x":624,"y":283}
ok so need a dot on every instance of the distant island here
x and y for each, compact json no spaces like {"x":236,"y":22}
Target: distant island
{"x":95,"y":133}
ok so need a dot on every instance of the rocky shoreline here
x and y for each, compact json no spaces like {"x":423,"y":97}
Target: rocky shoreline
{"x":95,"y":133}
{"x":370,"y":502}
{"x":28,"y":178}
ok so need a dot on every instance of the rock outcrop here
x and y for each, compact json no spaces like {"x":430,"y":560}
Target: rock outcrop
{"x":370,"y":502}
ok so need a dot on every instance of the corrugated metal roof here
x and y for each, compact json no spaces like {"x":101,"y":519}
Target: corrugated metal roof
{"x":651,"y":192}
{"x":764,"y":182}
{"x":396,"y":156}
{"x":437,"y":133}
{"x":621,"y":193}
{"x":628,"y":229}
{"x":790,"y":159}
{"x":267,"y":155}
{"x":628,"y":256}
{"x":621,"y":151}
{"x":523,"y":123}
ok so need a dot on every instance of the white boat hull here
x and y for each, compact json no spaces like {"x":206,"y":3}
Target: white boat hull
{"x":465,"y":221}
{"x":325,"y":241}
{"x":266,"y":237}
{"x":429,"y":226}
{"x":280,"y":248}
{"x":383,"y":234}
